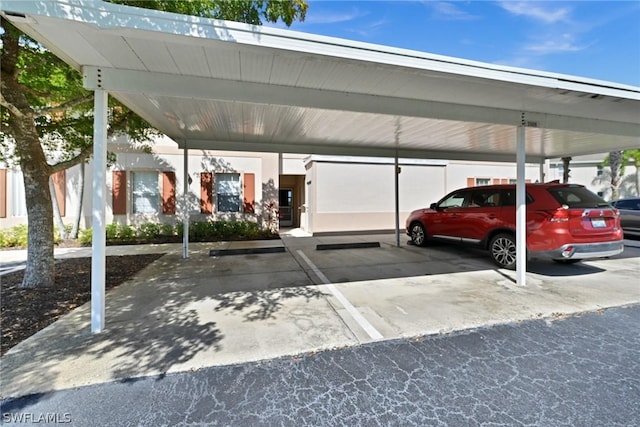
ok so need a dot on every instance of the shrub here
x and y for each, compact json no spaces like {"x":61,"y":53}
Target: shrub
{"x":112,"y":231}
{"x":168,"y":230}
{"x":126,"y":233}
{"x":85,"y":237}
{"x":16,"y":236}
{"x":149,"y":230}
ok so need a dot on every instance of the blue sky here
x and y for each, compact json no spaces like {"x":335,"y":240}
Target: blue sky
{"x":596,"y":39}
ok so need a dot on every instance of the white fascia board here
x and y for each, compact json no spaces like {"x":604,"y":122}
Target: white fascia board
{"x":374,"y":160}
{"x":117,"y":17}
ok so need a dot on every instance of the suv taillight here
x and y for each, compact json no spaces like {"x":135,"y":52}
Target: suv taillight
{"x":559,"y":215}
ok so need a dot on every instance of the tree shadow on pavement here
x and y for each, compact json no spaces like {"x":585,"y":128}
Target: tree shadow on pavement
{"x":262,"y":304}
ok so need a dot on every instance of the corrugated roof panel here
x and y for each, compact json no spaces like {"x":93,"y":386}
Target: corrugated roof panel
{"x":224,"y":62}
{"x":190,"y":60}
{"x":286,"y":69}
{"x":155,"y":56}
{"x":116,"y":49}
{"x":256,"y":67}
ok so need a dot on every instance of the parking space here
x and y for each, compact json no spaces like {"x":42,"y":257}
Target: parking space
{"x":178,"y":315}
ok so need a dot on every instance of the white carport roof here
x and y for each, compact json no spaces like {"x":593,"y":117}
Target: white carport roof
{"x":214,"y":84}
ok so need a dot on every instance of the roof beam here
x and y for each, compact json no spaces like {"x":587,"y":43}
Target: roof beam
{"x":350,"y":150}
{"x":179,"y":86}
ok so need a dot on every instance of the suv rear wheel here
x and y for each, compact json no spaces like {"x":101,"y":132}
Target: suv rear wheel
{"x":503,"y":250}
{"x":418,"y":234}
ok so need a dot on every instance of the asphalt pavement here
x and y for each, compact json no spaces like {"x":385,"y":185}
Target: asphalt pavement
{"x":569,"y":371}
{"x":380,"y":335}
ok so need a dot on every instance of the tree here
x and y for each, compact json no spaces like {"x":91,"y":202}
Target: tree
{"x":566,"y":161}
{"x":47,"y":121}
{"x":615,"y":163}
{"x":632,"y":157}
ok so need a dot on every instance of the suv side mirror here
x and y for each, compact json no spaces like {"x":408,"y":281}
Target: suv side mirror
{"x":433,"y":206}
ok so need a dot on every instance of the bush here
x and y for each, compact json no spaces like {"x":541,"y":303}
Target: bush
{"x":149,"y":231}
{"x":112,"y":231}
{"x":15,"y":236}
{"x":199,"y":231}
{"x":126,"y":233}
{"x":168,"y":230}
{"x":85,"y":237}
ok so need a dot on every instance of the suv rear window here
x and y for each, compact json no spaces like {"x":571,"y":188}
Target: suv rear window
{"x":577,"y":197}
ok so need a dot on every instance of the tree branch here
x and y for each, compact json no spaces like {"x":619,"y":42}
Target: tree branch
{"x":81,"y":157}
{"x":70,"y":104}
{"x":9,"y":106}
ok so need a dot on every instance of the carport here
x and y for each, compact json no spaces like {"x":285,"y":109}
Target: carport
{"x":221,"y":85}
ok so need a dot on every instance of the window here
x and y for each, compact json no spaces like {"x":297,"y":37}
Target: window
{"x":228,"y":192}
{"x":577,"y":197}
{"x":453,"y":201}
{"x":485,"y":198}
{"x":145,"y":194}
{"x":483,"y":181}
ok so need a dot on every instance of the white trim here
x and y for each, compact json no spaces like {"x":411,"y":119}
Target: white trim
{"x":113,"y":17}
{"x":373,"y":160}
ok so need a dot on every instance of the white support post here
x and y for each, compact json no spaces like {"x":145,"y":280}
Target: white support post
{"x":185,"y":200}
{"x":396,"y":175}
{"x":98,"y":250}
{"x":521,"y":209}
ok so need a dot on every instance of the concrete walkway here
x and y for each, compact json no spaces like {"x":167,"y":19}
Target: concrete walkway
{"x":179,"y":315}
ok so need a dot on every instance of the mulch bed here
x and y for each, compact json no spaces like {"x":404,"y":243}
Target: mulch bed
{"x":26,"y":311}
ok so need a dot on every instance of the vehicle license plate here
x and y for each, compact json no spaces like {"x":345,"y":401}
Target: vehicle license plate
{"x":598,"y":223}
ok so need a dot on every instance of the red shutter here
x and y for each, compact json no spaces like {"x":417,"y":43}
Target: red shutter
{"x":169,"y":193}
{"x":3,"y":193}
{"x":206,"y":192}
{"x":249,"y":197}
{"x":471,"y":182}
{"x":59,"y":185}
{"x":495,"y":181}
{"x":119,"y":192}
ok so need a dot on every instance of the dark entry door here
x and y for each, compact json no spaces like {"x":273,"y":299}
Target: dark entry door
{"x":286,"y":204}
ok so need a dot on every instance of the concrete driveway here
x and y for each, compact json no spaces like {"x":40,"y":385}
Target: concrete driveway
{"x":180,"y":315}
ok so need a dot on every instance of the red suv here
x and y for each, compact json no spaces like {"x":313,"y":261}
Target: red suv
{"x":565,"y":222}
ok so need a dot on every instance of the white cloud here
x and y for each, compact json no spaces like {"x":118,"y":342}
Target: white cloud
{"x":450,"y":11}
{"x":560,"y":44}
{"x":333,"y":17}
{"x":548,"y":14}
{"x":370,"y":29}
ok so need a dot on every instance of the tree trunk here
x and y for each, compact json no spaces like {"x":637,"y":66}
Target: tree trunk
{"x":40,"y":268}
{"x":636,"y":163}
{"x":565,"y":169}
{"x":615,"y":163}
{"x":76,"y":225}
{"x":62,"y":229}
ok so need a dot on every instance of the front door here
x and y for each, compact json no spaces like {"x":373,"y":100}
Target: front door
{"x":286,"y":204}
